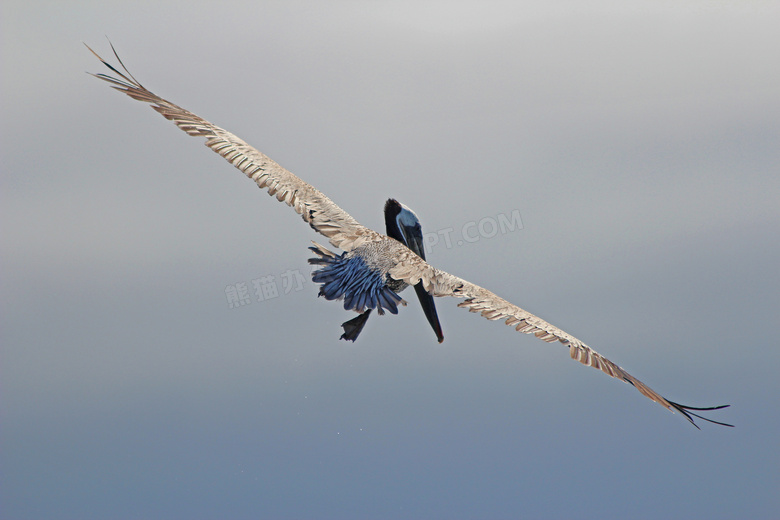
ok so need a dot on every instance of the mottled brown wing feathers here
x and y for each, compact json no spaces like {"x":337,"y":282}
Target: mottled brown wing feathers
{"x":318,"y":210}
{"x":412,"y":269}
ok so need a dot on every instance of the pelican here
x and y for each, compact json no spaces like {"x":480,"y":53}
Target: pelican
{"x":348,"y":276}
{"x":373,"y":268}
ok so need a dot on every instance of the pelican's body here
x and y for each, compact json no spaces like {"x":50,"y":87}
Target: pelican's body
{"x":362,"y":277}
{"x":374,"y":267}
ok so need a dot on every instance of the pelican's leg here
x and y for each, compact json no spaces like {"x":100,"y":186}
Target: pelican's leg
{"x":353,"y":327}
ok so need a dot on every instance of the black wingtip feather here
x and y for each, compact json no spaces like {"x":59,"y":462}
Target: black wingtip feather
{"x":128,"y":81}
{"x":687,"y":413}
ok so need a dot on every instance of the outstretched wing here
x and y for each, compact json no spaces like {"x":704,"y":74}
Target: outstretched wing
{"x":319,"y":211}
{"x":412,"y":269}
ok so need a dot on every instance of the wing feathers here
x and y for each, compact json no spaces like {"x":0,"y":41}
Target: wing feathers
{"x":490,"y":306}
{"x":318,"y":210}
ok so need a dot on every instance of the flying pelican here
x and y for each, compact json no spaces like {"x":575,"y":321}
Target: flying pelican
{"x":347,"y":277}
{"x":374,"y":267}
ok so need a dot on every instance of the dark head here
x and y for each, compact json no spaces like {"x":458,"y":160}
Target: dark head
{"x":403,"y":225}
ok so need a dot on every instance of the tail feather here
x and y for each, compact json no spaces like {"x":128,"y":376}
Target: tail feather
{"x":348,"y":278}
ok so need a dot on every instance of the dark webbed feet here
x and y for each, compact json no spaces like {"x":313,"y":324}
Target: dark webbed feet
{"x":353,"y":327}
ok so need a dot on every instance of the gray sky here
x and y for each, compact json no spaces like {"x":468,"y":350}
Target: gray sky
{"x":637,"y":141}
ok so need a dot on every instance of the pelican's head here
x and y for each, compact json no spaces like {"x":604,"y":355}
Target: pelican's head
{"x":403,"y":225}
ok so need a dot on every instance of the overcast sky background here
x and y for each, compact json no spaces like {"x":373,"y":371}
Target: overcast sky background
{"x":639,"y":142}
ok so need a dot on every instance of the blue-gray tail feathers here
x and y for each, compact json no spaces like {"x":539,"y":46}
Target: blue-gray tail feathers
{"x":349,"y":278}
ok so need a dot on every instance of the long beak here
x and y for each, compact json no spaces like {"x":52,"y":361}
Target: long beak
{"x":414,"y":241}
{"x":429,"y":308}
